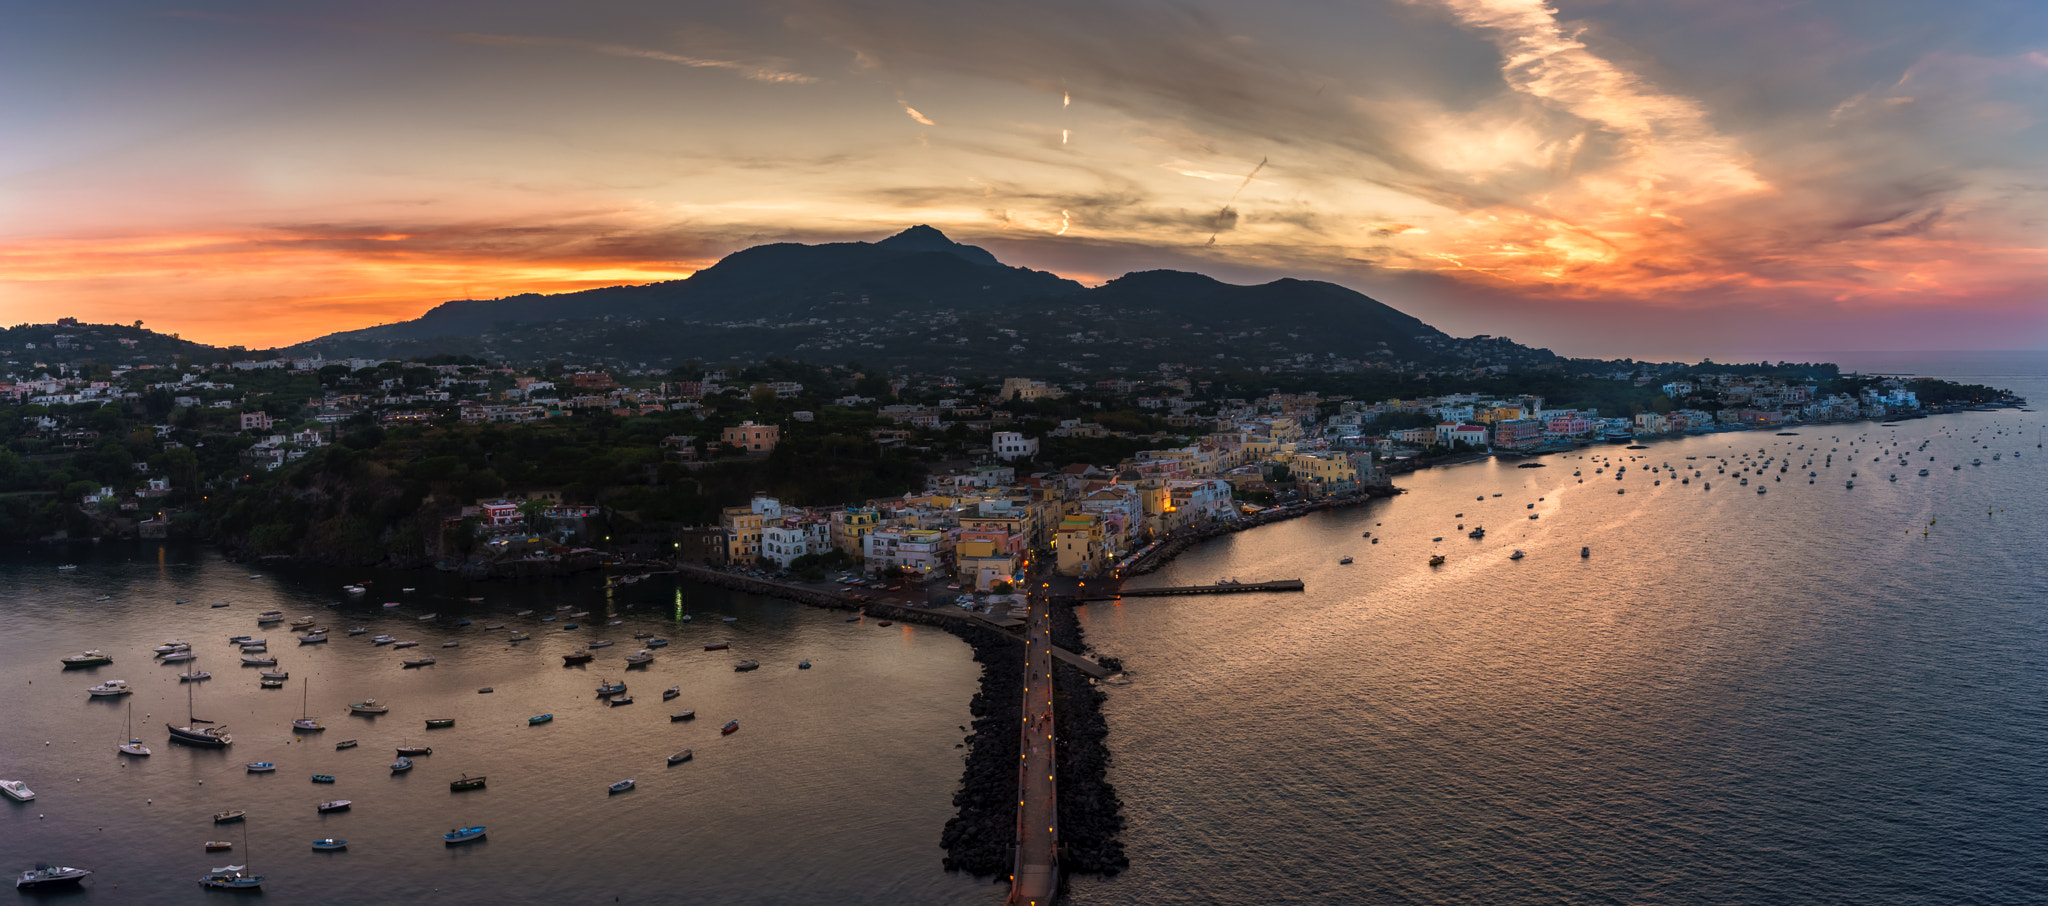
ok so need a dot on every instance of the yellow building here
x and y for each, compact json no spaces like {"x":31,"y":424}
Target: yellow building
{"x":852,"y":524}
{"x":1081,"y":546}
{"x":743,"y":534}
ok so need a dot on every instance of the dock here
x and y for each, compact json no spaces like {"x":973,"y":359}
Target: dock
{"x":1234,"y":588}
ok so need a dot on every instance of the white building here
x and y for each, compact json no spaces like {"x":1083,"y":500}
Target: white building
{"x":1009,"y":445}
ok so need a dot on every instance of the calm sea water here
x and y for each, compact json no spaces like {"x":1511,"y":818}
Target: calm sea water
{"x":1795,"y":697}
{"x":833,"y":791}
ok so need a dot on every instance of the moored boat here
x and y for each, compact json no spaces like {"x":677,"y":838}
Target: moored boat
{"x":466,"y":783}
{"x":334,"y":805}
{"x":731,"y":727}
{"x":261,"y":767}
{"x":680,"y":757}
{"x":258,"y":661}
{"x":607,"y":687}
{"x":682,"y":715}
{"x":622,"y":785}
{"x":716,"y":646}
{"x":745,"y":666}
{"x":233,"y":814}
{"x":401,"y":766}
{"x":110,"y":687}
{"x":418,"y":662}
{"x":91,"y":658}
{"x":17,"y":791}
{"x":671,"y":692}
{"x":231,"y":877}
{"x":436,"y":723}
{"x":640,"y":658}
{"x":410,"y":751}
{"x":463,"y":835}
{"x":215,"y":846}
{"x":328,"y":845}
{"x":618,"y":700}
{"x":539,"y":719}
{"x":368,"y":706}
{"x":657,"y":642}
{"x":344,"y":744}
{"x":577,"y":657}
{"x":45,"y":876}
{"x":323,"y":778}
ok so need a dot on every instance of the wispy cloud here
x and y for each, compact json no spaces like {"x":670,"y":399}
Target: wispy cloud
{"x":760,"y":72}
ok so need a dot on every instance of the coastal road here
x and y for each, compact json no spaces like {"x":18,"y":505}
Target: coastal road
{"x":1035,"y":877}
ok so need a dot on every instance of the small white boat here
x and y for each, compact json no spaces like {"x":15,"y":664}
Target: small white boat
{"x":383,"y":639}
{"x":354,"y":589}
{"x":428,"y":617}
{"x":16,"y":790}
{"x":261,"y":767}
{"x":643,"y":656}
{"x":42,"y":875}
{"x":680,"y":757}
{"x":622,"y":785}
{"x":600,"y":643}
{"x":168,"y":647}
{"x":193,"y":676}
{"x":671,"y":692}
{"x":334,"y":805}
{"x":359,"y":630}
{"x":110,"y":687}
{"x":274,"y":674}
{"x":420,"y":662}
{"x":258,"y":661}
{"x":302,"y":622}
{"x":368,"y":706}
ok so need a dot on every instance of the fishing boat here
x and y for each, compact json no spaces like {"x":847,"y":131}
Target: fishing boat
{"x":45,"y":876}
{"x":261,"y":767}
{"x":92,"y":658}
{"x":577,"y":657}
{"x":539,"y":719}
{"x":418,"y":662}
{"x":618,"y":700}
{"x":133,"y":746}
{"x":323,"y":778}
{"x":269,"y":616}
{"x":607,"y":687}
{"x":17,"y":791}
{"x":344,"y":744}
{"x":465,"y":783}
{"x":622,"y":785}
{"x":329,"y":845}
{"x":640,"y":658}
{"x":401,"y":766}
{"x":731,"y":727}
{"x":334,"y":805}
{"x":233,"y":814}
{"x":437,"y":723}
{"x":745,"y":666}
{"x":411,"y":751}
{"x":463,"y":835}
{"x":680,"y":757}
{"x":192,"y":734}
{"x":671,"y":692}
{"x":109,"y":688}
{"x":682,"y":715}
{"x":368,"y":706}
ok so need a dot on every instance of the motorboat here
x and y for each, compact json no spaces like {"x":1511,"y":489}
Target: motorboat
{"x":639,"y":658}
{"x":231,"y":877}
{"x":368,"y":706}
{"x":45,"y":876}
{"x":17,"y":791}
{"x":194,"y":676}
{"x":401,"y":766}
{"x":233,"y":814}
{"x":329,"y":845}
{"x":307,"y":724}
{"x":218,"y":604}
{"x":671,"y":692}
{"x":494,"y":625}
{"x":1477,"y":533}
{"x":1585,"y":552}
{"x":323,"y":778}
{"x":682,"y":715}
{"x":680,"y":757}
{"x":524,"y":613}
{"x":451,"y":644}
{"x":354,"y":589}
{"x":334,"y":805}
{"x":539,"y":719}
{"x":465,"y":783}
{"x":657,"y":642}
{"x":618,"y":700}
{"x":383,"y":639}
{"x":110,"y":687}
{"x":463,"y":835}
{"x":440,"y":723}
{"x":607,"y":687}
{"x":745,"y":666}
{"x":643,"y":635}
{"x":168,"y":647}
{"x":622,"y":785}
{"x":302,"y":622}
{"x":731,"y":727}
{"x":577,"y":657}
{"x":92,"y":658}
{"x":179,"y":657}
{"x":261,"y":767}
{"x":426,"y":617}
{"x":344,"y":744}
{"x":418,"y":662}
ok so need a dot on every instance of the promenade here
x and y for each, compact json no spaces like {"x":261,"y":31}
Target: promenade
{"x":1035,"y":880}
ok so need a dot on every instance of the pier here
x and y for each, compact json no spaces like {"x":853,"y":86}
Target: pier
{"x":1230,"y":589}
{"x":1035,"y":873}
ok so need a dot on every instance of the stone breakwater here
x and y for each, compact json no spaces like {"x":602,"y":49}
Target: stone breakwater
{"x":1187,"y":538}
{"x":1091,"y":814}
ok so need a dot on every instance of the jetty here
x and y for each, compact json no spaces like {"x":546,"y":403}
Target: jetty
{"x":1230,"y":588}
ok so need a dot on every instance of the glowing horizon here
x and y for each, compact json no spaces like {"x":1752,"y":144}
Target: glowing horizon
{"x":1601,"y":180}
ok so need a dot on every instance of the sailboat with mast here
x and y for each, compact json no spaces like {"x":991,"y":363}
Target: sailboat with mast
{"x":305,"y":723}
{"x":192,"y":734}
{"x":133,"y":746}
{"x":234,"y":877}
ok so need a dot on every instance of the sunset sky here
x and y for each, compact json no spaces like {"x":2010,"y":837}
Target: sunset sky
{"x":1647,"y":178}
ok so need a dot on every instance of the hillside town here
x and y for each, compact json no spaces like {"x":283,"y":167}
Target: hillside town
{"x":1090,"y":471}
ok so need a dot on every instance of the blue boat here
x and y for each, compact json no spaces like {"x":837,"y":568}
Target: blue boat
{"x":657,"y":642}
{"x":568,"y":626}
{"x":462,"y":622}
{"x":463,"y":835}
{"x":541,"y":719}
{"x":329,"y":845}
{"x":323,"y":778}
{"x":401,"y":766}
